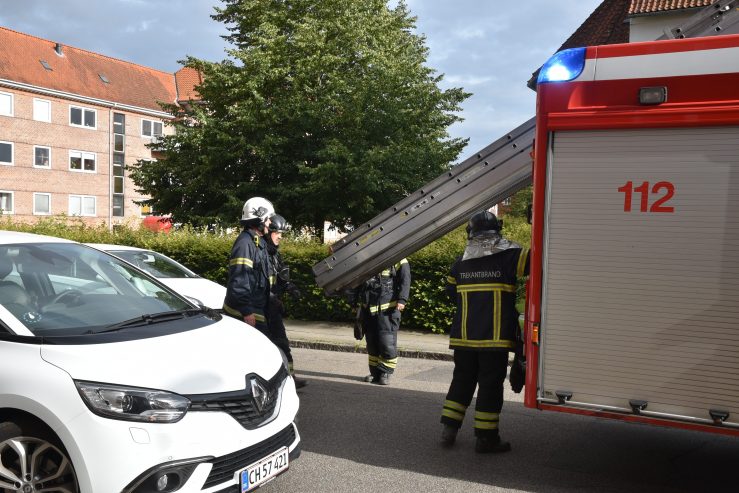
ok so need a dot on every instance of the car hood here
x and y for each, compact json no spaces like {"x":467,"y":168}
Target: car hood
{"x":209,"y":293}
{"x":211,"y":359}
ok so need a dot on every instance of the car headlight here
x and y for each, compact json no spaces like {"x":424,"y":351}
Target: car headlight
{"x":133,"y":403}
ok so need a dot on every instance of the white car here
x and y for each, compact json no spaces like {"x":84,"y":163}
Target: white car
{"x":171,"y":273}
{"x":112,"y":382}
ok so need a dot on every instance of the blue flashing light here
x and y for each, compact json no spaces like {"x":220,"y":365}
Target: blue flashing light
{"x":563,"y":66}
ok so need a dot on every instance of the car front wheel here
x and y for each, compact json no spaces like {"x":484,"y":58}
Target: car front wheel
{"x":31,"y":461}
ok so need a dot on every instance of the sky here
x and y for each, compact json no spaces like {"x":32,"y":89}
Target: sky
{"x":488,"y":47}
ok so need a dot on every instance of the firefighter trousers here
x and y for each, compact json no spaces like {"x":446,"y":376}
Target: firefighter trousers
{"x":277,"y":333}
{"x":486,"y":369}
{"x":381,"y":331}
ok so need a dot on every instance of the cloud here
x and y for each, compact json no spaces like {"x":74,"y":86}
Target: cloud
{"x":477,"y":33}
{"x":140,"y":26}
{"x":465,"y":80}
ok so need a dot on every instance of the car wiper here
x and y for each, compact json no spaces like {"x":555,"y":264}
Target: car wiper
{"x":149,"y":319}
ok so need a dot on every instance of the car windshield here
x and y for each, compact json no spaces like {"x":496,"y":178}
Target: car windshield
{"x":68,"y":288}
{"x":154,"y":263}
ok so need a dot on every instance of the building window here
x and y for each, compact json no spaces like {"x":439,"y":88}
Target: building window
{"x":118,"y":205}
{"x":41,"y":157}
{"x":119,"y":123}
{"x":119,"y":159}
{"x":81,"y":205}
{"x":6,"y":153}
{"x":150,"y":128}
{"x":6,"y":104}
{"x":82,"y":161}
{"x":118,"y":142}
{"x":6,"y":202}
{"x":41,"y":110}
{"x":42,"y":204}
{"x":118,"y":179}
{"x":507,"y":201}
{"x":82,"y":117}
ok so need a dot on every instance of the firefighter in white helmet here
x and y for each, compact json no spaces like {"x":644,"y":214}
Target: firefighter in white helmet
{"x":247,"y":289}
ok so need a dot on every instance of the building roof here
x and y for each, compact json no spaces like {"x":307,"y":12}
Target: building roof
{"x":651,"y":6}
{"x":80,"y":72}
{"x":606,"y":25}
{"x":187,"y":79}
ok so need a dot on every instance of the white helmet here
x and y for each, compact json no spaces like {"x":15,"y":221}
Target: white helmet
{"x":257,"y":208}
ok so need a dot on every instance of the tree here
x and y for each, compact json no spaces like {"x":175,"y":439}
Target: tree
{"x":326,"y":107}
{"x":520,"y":203}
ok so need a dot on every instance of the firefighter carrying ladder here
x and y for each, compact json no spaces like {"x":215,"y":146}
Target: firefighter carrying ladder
{"x":490,"y":176}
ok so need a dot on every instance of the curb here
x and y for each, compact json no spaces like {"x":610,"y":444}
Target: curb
{"x":356,"y":348}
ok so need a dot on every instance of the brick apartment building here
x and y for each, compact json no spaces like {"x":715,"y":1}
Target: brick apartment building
{"x":70,"y":120}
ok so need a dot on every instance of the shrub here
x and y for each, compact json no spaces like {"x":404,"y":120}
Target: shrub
{"x":429,"y":308}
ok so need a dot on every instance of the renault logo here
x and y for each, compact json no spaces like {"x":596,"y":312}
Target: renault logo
{"x":259,"y":394}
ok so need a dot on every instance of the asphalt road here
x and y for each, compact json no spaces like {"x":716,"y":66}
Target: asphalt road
{"x":360,"y":437}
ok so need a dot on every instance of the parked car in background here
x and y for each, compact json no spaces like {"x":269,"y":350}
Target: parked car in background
{"x":110,"y":381}
{"x":158,"y":224}
{"x":171,"y":273}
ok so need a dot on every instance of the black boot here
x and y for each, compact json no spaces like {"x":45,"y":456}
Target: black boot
{"x":448,"y":436}
{"x":384,"y":379}
{"x":374,"y":375}
{"x":491,"y":445}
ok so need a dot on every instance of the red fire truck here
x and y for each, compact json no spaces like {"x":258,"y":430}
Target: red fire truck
{"x":633,"y":310}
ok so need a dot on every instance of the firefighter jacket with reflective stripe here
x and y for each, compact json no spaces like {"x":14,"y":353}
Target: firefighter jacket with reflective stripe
{"x":276,"y":283}
{"x":279,"y":284}
{"x":484,"y":290}
{"x":386,"y":289}
{"x":247,"y":290}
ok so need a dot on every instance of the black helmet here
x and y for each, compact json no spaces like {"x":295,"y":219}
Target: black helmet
{"x":482,"y":221}
{"x":277,"y":224}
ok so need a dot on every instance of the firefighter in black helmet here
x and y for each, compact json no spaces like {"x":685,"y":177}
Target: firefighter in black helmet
{"x":280,"y":284}
{"x":482,"y":283}
{"x":379,"y":302}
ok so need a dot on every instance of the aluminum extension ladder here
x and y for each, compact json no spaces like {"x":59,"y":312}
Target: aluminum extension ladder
{"x":493,"y":174}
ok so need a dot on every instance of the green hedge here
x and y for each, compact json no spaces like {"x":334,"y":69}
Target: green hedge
{"x":207,"y":254}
